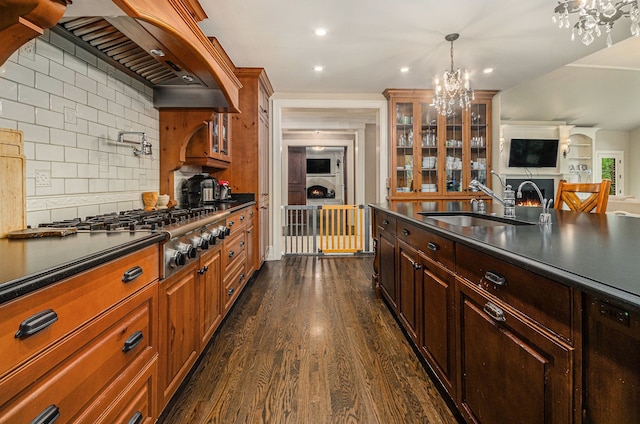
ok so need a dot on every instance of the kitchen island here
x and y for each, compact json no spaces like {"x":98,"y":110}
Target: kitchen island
{"x":515,"y":313}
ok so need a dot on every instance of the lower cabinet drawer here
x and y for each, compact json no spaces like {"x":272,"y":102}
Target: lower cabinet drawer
{"x":543,"y":300}
{"x":234,"y":246}
{"x":138,"y":403}
{"x":72,"y":375}
{"x":234,"y":281}
{"x":433,"y":246}
{"x":70,"y":303}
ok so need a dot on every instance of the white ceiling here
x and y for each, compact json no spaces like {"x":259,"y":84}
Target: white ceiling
{"x":369,"y":40}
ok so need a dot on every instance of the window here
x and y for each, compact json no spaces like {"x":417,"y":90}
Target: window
{"x":609,"y":165}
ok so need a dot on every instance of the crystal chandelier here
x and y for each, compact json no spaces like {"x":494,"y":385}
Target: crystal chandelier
{"x":595,"y":14}
{"x":453,"y":89}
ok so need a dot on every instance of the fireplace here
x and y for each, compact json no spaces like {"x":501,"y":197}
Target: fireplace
{"x":320,"y":192}
{"x":529,"y":195}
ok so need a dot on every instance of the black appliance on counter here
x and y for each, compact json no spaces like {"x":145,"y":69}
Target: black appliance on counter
{"x":200,"y":190}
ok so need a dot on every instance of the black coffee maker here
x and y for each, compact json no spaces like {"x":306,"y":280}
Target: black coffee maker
{"x":200,"y":190}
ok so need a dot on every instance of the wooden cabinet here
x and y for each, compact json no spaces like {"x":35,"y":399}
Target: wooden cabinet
{"x":510,"y":370}
{"x":251,"y":244}
{"x":210,"y":145}
{"x":210,"y":293}
{"x":433,"y":155}
{"x":409,"y":289}
{"x":249,"y":172}
{"x":179,"y":340}
{"x":611,"y":358}
{"x":386,"y":256}
{"x":103,"y":340}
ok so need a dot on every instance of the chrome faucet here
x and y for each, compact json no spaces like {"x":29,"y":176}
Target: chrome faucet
{"x":144,"y":144}
{"x":545,"y":216}
{"x":508,"y":200}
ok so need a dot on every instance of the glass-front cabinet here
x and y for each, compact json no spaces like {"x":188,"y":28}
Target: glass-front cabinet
{"x":433,"y":155}
{"x":210,"y":145}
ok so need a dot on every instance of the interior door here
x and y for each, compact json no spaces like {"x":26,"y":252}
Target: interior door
{"x":297,"y":175}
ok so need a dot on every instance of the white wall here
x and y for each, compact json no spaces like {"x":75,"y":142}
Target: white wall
{"x":633,"y":175}
{"x":70,"y":106}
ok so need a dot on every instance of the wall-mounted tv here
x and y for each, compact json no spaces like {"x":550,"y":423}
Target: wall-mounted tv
{"x":533,"y":153}
{"x":318,"y":166}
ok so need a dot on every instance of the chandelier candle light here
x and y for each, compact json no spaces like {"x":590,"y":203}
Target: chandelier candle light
{"x":453,"y":89}
{"x":594,"y":14}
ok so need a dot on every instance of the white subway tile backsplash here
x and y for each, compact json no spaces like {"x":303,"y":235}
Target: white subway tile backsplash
{"x":49,"y":51}
{"x":17,"y":111}
{"x":86,"y":83}
{"x":74,"y":93}
{"x":106,"y":118}
{"x":49,"y":118}
{"x":61,"y":42}
{"x":88,"y":57}
{"x":62,"y":137}
{"x":58,"y":104}
{"x":71,"y":106}
{"x":81,"y":126}
{"x":97,"y":102}
{"x":56,"y":188}
{"x":59,"y":72}
{"x":33,"y":97}
{"x":116,"y":109}
{"x":90,"y":143}
{"x":8,"y":89}
{"x":87,"y":112}
{"x":48,"y":152}
{"x":116,"y":185}
{"x":38,"y":64}
{"x":75,"y":155}
{"x":49,"y":84}
{"x":75,"y":63}
{"x":98,"y":185}
{"x":106,"y":92}
{"x":96,"y":74}
{"x":88,"y":171}
{"x":64,"y":170}
{"x":34,"y":133}
{"x":38,"y":217}
{"x":17,"y":73}
{"x":76,"y":185}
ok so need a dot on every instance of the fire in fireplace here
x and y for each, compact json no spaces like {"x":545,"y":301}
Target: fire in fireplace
{"x":529,"y":195}
{"x":320,"y":192}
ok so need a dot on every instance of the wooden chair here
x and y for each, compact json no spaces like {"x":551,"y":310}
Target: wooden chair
{"x":598,"y":199}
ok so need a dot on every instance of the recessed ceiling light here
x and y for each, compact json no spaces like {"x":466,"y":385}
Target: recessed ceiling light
{"x":404,"y":69}
{"x":321,"y":32}
{"x":488,"y":70}
{"x":318,"y":68}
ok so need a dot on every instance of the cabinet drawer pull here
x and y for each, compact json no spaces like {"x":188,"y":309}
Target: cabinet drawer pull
{"x":231,"y":290}
{"x":231,"y":223}
{"x":50,"y":414}
{"x":494,"y":278}
{"x":133,"y":341}
{"x":433,"y":246}
{"x":35,"y":323}
{"x":137,"y":418}
{"x":242,"y":276}
{"x":131,"y":274}
{"x":385,"y":222}
{"x":231,"y":253}
{"x":416,"y":265}
{"x":405,"y":232}
{"x":241,"y":218}
{"x":248,"y":231}
{"x":494,"y":312}
{"x":242,"y":244}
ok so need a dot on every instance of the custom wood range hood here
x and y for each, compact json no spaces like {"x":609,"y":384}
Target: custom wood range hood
{"x":159,"y":43}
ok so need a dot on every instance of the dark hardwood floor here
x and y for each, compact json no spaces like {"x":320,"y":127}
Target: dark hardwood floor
{"x":308,"y":342}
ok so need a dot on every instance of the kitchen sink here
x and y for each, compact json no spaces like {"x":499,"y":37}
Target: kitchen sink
{"x":462,"y":219}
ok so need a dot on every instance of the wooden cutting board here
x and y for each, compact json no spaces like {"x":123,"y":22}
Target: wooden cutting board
{"x":12,"y":182}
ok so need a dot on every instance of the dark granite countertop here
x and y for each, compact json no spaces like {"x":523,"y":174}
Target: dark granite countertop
{"x":29,"y":264}
{"x":596,"y":253}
